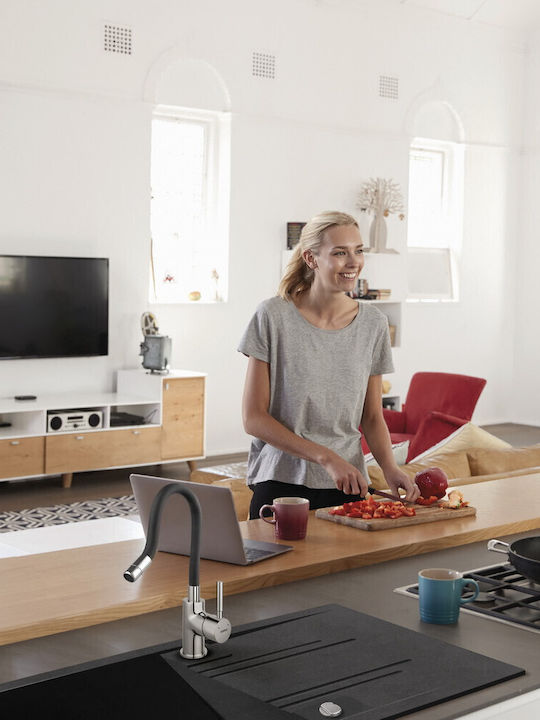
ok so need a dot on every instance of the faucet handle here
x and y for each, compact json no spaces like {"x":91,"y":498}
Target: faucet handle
{"x":219,"y":599}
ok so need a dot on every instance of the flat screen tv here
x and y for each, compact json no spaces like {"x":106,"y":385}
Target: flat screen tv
{"x":53,"y":307}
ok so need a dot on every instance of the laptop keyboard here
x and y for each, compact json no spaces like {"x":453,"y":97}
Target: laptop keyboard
{"x":253,"y":554}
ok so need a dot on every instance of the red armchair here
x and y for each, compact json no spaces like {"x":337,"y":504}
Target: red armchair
{"x":436,"y":405}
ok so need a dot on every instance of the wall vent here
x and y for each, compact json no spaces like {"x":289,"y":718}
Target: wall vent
{"x":117,"y":39}
{"x":389,"y":87}
{"x":264,"y":65}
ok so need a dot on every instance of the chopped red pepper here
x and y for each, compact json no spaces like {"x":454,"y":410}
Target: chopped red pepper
{"x":370,"y":508}
{"x":427,"y":501}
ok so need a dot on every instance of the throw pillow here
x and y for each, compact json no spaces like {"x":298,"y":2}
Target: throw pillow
{"x":485,"y":462}
{"x":464,"y":438}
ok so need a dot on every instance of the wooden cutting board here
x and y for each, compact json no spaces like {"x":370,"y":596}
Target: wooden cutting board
{"x":423,"y":515}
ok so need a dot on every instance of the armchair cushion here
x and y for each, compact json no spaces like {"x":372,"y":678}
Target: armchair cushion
{"x":447,"y":392}
{"x":395,"y":419}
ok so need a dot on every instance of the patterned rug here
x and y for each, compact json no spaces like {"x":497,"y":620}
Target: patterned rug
{"x":62,"y":514}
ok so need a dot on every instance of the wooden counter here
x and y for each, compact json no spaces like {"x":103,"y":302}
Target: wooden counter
{"x":54,"y":592}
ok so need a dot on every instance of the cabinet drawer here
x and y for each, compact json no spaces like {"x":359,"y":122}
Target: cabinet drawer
{"x":183,"y":418}
{"x":20,"y":457}
{"x":92,"y":451}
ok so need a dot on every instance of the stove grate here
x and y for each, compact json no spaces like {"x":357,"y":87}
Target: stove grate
{"x":505,"y":595}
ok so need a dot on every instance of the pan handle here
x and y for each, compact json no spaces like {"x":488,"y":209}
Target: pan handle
{"x":492,"y":545}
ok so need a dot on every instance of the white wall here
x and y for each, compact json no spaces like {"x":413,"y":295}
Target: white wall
{"x":74,"y":170}
{"x":525,"y":244}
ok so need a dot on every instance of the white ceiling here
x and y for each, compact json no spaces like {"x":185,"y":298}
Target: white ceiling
{"x":521,"y":15}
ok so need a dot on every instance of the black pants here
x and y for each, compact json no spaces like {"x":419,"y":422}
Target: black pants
{"x":265,"y":492}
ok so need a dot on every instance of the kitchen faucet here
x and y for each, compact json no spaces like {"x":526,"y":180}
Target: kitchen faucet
{"x":197,"y":625}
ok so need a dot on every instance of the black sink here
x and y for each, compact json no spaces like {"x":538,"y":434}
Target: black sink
{"x":278,"y":668}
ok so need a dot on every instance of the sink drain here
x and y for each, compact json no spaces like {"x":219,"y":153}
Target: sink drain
{"x":330,"y":709}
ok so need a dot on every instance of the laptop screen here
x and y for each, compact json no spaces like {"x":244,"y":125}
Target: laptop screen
{"x":220,"y":533}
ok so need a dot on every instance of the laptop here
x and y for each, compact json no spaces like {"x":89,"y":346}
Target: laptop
{"x":221,"y":539}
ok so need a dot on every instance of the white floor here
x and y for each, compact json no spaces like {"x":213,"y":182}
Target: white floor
{"x":70,"y":535}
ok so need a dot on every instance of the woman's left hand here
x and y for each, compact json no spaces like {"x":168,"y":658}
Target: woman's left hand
{"x":398,"y":479}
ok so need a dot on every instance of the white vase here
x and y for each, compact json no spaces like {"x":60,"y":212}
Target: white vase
{"x":378,"y":233}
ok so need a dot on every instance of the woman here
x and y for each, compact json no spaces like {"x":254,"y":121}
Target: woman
{"x":316,"y":359}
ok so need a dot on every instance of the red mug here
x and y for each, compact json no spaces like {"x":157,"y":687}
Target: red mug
{"x":290,"y":516}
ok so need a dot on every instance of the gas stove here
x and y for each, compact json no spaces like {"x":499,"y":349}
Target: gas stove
{"x":505,"y":595}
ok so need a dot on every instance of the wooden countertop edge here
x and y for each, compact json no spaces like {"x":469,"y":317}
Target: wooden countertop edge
{"x":171,"y":598}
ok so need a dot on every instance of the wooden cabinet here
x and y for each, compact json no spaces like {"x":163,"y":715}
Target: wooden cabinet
{"x":22,"y":456}
{"x":92,"y":451}
{"x":182,"y":431}
{"x":150,"y":418}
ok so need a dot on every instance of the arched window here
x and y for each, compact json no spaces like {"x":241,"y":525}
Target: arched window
{"x":435,"y":207}
{"x":190,"y":181}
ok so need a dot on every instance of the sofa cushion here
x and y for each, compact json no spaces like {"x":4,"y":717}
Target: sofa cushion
{"x":457,"y":482}
{"x":464,"y":438}
{"x":455,"y":465}
{"x":485,"y":462}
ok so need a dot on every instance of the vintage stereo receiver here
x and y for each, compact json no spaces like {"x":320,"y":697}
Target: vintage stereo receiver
{"x":70,"y":420}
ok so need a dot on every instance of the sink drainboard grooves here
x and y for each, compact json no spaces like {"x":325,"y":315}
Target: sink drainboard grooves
{"x":223,"y":669}
{"x":266,"y":659}
{"x":334,"y":686}
{"x":278,"y":623}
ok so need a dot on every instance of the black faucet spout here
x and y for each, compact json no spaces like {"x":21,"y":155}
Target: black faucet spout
{"x":152,"y":536}
{"x":197,"y":624}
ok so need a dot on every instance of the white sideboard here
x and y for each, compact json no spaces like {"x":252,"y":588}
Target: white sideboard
{"x":172,"y":407}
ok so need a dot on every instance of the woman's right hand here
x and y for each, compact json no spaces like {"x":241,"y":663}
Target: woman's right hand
{"x":346,"y":477}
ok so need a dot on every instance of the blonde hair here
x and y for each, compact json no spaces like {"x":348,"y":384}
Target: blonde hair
{"x":298,"y":275}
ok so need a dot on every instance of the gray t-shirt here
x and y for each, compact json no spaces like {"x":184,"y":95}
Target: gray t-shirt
{"x":318,"y":382}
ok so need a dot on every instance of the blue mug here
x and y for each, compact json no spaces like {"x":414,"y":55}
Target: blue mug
{"x":439,"y":590}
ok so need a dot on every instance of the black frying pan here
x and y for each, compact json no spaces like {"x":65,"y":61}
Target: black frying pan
{"x":523,"y":554}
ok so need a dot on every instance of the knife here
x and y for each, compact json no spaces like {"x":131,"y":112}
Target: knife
{"x":383,"y":494}
{"x":372,"y":491}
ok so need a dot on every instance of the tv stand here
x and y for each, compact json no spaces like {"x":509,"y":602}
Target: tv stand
{"x":172,"y":406}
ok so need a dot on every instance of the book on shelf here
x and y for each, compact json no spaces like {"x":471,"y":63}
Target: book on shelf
{"x":377,"y":294}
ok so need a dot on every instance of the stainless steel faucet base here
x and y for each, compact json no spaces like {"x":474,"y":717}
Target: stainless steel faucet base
{"x":193,"y":641}
{"x":193,"y":656}
{"x":199,"y":626}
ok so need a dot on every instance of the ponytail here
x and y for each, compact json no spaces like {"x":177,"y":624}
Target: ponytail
{"x":298,"y":276}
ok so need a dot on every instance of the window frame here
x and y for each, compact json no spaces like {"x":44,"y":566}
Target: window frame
{"x":216,"y":190}
{"x":451,"y":214}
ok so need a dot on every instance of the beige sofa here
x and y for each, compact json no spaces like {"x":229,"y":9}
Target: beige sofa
{"x":464,"y":467}
{"x":469,"y":455}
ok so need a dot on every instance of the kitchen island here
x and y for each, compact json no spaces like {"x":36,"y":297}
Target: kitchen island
{"x":368,"y":587}
{"x":59,"y":591}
